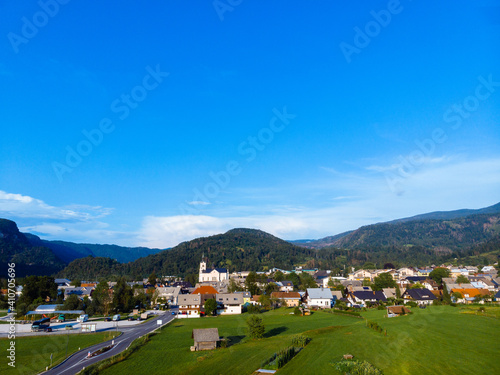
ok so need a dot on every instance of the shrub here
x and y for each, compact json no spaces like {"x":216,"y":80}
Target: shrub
{"x":355,"y":367}
{"x":253,"y":309}
{"x":297,"y":311}
{"x":300,"y":341}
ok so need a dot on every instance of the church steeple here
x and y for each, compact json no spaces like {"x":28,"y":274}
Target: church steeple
{"x":203,"y":265}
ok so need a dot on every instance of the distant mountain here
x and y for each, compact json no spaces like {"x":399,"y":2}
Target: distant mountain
{"x":443,"y":236}
{"x":346,"y":239}
{"x":237,"y":249}
{"x":448,"y":215}
{"x":69,"y":251}
{"x":323,"y":242}
{"x":29,"y":259}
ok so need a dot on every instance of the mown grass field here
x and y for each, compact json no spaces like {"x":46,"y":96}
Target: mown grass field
{"x":33,"y":353}
{"x":436,"y":340}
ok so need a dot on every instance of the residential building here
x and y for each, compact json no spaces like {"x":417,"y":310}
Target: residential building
{"x":420,"y":296}
{"x":319,"y":297}
{"x":230,"y":303}
{"x":291,"y":299}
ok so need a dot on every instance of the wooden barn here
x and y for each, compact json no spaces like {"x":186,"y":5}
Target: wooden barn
{"x":205,"y":339}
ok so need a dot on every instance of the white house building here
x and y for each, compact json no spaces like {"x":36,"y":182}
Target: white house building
{"x":319,"y":297}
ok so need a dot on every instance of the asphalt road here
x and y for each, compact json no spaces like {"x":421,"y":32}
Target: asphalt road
{"x":79,"y":360}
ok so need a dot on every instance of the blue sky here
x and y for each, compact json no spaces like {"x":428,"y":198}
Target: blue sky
{"x":155,"y":123}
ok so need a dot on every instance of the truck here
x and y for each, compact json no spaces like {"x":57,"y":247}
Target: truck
{"x":82,"y":318}
{"x":40,"y":325}
{"x":61,"y":318}
{"x":116,"y":318}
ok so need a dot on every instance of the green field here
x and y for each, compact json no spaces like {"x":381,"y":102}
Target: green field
{"x":436,"y":340}
{"x":33,"y":353}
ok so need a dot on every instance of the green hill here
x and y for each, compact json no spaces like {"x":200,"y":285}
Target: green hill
{"x":29,"y":259}
{"x":238,"y":249}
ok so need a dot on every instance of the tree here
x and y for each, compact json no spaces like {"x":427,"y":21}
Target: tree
{"x":152,"y":278}
{"x":398,"y":292}
{"x":416,"y":285}
{"x":279,"y":276}
{"x":122,"y":296}
{"x":256,"y":327}
{"x":369,"y":266}
{"x":210,"y":306}
{"x":265,"y":301}
{"x":389,"y":266}
{"x":438,"y":274}
{"x":251,"y":283}
{"x":72,"y":302}
{"x":384,"y":280}
{"x":76,"y":283}
{"x":233,"y":287}
{"x":461,"y":279}
{"x":101,"y":298}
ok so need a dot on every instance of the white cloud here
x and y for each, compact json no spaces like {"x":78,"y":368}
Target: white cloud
{"x":23,"y":206}
{"x":199,"y":203}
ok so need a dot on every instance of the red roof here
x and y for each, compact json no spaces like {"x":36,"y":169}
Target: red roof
{"x":205,"y":289}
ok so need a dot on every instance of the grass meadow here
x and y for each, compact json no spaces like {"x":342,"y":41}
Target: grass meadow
{"x":33,"y":352}
{"x":436,"y":340}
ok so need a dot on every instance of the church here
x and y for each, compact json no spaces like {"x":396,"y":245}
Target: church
{"x":212,"y":274}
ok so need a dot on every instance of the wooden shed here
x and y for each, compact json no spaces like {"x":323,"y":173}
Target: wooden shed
{"x":205,"y":339}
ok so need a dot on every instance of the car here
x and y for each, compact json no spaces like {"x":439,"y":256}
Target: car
{"x":131,"y":318}
{"x":107,"y":319}
{"x":173,"y":313}
{"x":49,"y":329}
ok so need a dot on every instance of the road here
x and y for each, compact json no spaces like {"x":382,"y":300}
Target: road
{"x":79,"y":360}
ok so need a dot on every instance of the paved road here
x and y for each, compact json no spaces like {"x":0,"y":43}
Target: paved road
{"x":79,"y":360}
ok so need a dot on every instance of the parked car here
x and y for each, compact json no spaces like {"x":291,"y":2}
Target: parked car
{"x":49,"y":329}
{"x":116,"y":317}
{"x":130,"y":318}
{"x":173,"y":313}
{"x":107,"y":319}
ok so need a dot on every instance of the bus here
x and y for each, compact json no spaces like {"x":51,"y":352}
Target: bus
{"x":40,"y":325}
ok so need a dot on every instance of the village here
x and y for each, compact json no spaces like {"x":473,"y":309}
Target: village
{"x":235,"y":293}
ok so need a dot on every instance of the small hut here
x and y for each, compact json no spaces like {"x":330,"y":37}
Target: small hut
{"x":205,"y":339}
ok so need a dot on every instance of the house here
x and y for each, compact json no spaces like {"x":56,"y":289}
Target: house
{"x":389,"y":292}
{"x":190,"y":305}
{"x":171,"y":294}
{"x":205,"y":289}
{"x":334,"y":279}
{"x":230,"y":303}
{"x":398,"y":310}
{"x":205,"y":339}
{"x":455,"y":272}
{"x":319,"y":297}
{"x":62,"y":283}
{"x":81,"y":292}
{"x":405,"y":272}
{"x":212,"y":274}
{"x":363,"y":297}
{"x":424,"y":272}
{"x":286,"y":286}
{"x":320,"y":276}
{"x":219,"y":286}
{"x":291,"y":299}
{"x":469,"y":295}
{"x":247,"y":296}
{"x":430,"y":284}
{"x":360,"y":275}
{"x":420,"y":296}
{"x":255,"y":300}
